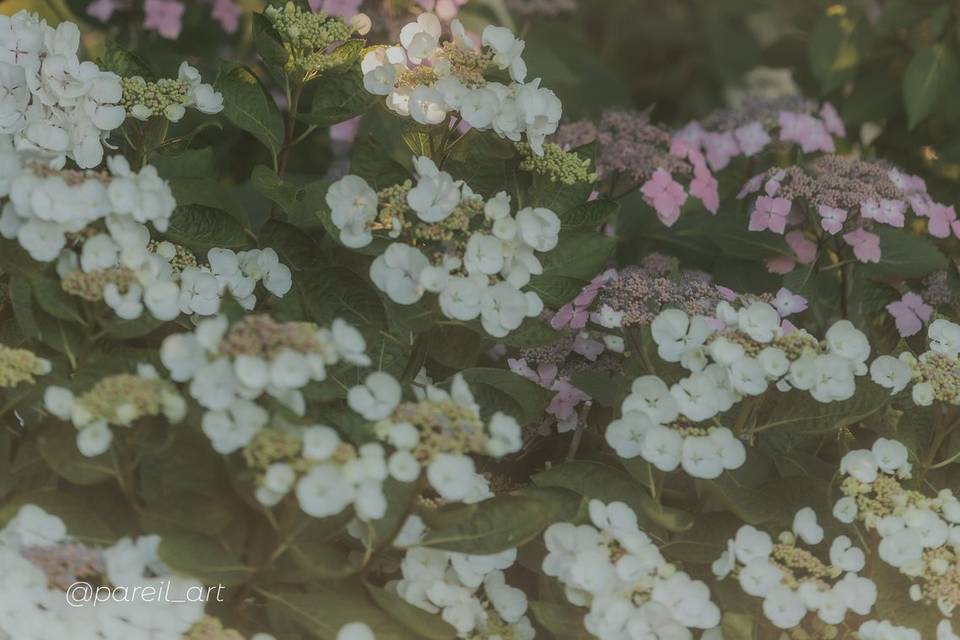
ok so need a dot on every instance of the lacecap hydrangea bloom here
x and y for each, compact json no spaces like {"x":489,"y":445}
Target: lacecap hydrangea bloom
{"x":311,"y":39}
{"x":919,"y":535}
{"x":168,"y":98}
{"x":428,"y":80}
{"x":735,"y":354}
{"x":118,"y":400}
{"x":53,"y":105}
{"x":474,"y":254}
{"x":39,"y":561}
{"x":469,"y":592}
{"x":618,"y":572}
{"x":934,"y":374}
{"x":792,"y":580}
{"x":20,"y":365}
{"x":439,"y":432}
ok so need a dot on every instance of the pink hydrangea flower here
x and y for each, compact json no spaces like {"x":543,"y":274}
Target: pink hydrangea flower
{"x":446,"y":10}
{"x":227,"y":13}
{"x":906,"y":182}
{"x":751,"y":186}
{"x":102,"y":9}
{"x":942,"y":221}
{"x":337,"y":8}
{"x":345,"y":131}
{"x":770,"y":213}
{"x":909,"y":313}
{"x":831,"y":218}
{"x":780,"y":264}
{"x":806,"y":130}
{"x":752,"y":138}
{"x":163,"y":16}
{"x":587,"y":346}
{"x":726,"y":293}
{"x":568,"y":315}
{"x":866,"y":245}
{"x":720,"y":149}
{"x":832,"y":120}
{"x":787,"y":303}
{"x":704,"y":186}
{"x":664,"y":194}
{"x":803,"y":248}
{"x":886,"y":211}
{"x":564,"y":404}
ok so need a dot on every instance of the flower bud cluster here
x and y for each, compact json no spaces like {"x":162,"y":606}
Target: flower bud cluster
{"x":919,"y":535}
{"x":792,"y":580}
{"x":556,"y":164}
{"x":229,"y":367}
{"x":439,"y":432}
{"x":935,"y":374}
{"x":118,"y":400}
{"x":309,"y":38}
{"x":736,"y":354}
{"x":760,"y":121}
{"x":616,"y":570}
{"x":170,"y":98}
{"x":427,"y":80}
{"x":20,"y":365}
{"x":55,"y":106}
{"x":39,"y":562}
{"x":474,"y":254}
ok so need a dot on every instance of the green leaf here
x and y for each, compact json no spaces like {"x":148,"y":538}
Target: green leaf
{"x":58,"y":446}
{"x":531,"y":398}
{"x":54,"y":300}
{"x":248,"y":105}
{"x":123,"y":62}
{"x":426,"y":625}
{"x":494,"y":525}
{"x":562,"y":620}
{"x":186,"y":512}
{"x":534,"y":332}
{"x":268,"y":183}
{"x":120,"y":329}
{"x":338,"y":97}
{"x":203,"y":558}
{"x":738,"y":626}
{"x":905,"y":255}
{"x":338,"y":292}
{"x":556,"y":291}
{"x":200,"y":228}
{"x":371,"y":161}
{"x":590,"y":214}
{"x":580,"y":254}
{"x":608,"y":484}
{"x":931,"y":70}
{"x":268,"y":43}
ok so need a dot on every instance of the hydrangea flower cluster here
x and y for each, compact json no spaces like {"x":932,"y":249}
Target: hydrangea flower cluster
{"x":760,"y":121}
{"x":229,"y":367}
{"x":326,"y":474}
{"x":616,"y":570}
{"x":474,"y":254}
{"x":169,"y":98}
{"x":39,"y":561}
{"x":934,"y":373}
{"x":846,"y":196}
{"x":919,"y":535}
{"x":427,"y":80}
{"x":311,"y":38}
{"x":736,"y":354}
{"x":647,"y":156}
{"x":118,"y":400}
{"x":792,"y":580}
{"x":20,"y":365}
{"x":439,"y":432}
{"x":55,"y":106}
{"x":469,"y":592}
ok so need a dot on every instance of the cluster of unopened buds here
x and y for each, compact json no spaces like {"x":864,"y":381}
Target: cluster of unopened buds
{"x":55,"y":106}
{"x":311,"y":39}
{"x":760,"y":122}
{"x":427,"y":80}
{"x":438,"y":432}
{"x":738,"y":353}
{"x":935,"y":374}
{"x":792,"y":580}
{"x":616,"y":570}
{"x":229,"y":367}
{"x":119,"y":400}
{"x":168,"y":98}
{"x":919,"y":535}
{"x":469,"y":592}
{"x":846,"y":196}
{"x":20,"y":365}
{"x":446,"y":240}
